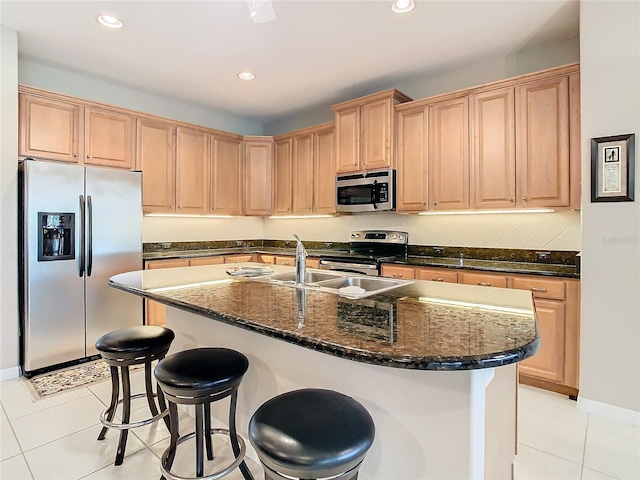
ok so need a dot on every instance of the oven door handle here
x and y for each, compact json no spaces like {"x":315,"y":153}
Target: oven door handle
{"x":363,"y":266}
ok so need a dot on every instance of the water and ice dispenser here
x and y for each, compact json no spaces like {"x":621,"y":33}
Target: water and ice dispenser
{"x":56,"y":235}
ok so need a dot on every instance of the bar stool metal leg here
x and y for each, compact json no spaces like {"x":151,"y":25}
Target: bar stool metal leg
{"x":149,"y":389}
{"x":234,"y":436}
{"x":173,"y":444}
{"x":115,"y":391}
{"x":207,"y":430}
{"x":126,"y":414}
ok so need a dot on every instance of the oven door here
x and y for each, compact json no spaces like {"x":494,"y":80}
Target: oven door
{"x":349,"y":267}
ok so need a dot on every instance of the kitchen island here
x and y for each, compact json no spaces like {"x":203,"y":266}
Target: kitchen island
{"x":421,"y":358}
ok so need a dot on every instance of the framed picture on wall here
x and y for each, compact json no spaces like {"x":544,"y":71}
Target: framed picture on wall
{"x":612,"y":168}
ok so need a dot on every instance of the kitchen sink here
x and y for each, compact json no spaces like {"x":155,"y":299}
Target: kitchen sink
{"x":338,"y":284}
{"x":310,"y":277}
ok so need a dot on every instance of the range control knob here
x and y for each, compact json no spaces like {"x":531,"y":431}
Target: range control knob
{"x":394,"y":236}
{"x":401,"y":237}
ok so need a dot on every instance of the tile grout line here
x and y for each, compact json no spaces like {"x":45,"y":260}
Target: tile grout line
{"x":549,"y":453}
{"x":24,"y":459}
{"x":584,"y":448}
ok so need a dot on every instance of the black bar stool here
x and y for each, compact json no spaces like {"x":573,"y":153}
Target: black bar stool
{"x":199,"y":377}
{"x":311,"y":434}
{"x":123,"y":348}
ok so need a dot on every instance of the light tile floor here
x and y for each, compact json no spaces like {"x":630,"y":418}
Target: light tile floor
{"x":55,"y":439}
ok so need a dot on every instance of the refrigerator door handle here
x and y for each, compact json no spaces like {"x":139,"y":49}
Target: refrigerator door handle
{"x":89,"y":236}
{"x":82,"y":230}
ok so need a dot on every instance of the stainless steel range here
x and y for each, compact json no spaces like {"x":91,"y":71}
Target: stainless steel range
{"x":368,"y":249}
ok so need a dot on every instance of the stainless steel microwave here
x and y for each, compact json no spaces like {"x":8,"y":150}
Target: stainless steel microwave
{"x":366,"y":192}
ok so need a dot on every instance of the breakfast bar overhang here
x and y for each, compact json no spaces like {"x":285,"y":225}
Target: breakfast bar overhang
{"x":434,"y":363}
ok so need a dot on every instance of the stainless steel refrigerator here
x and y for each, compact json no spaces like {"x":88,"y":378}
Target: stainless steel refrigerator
{"x":79,"y":226}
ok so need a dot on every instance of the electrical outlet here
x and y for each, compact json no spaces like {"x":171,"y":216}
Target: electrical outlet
{"x":166,"y":244}
{"x":543,"y":255}
{"x":239,"y":243}
{"x":328,"y":244}
{"x":287,"y":243}
{"x":438,"y":250}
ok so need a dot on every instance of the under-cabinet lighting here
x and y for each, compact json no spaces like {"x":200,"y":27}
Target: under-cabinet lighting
{"x":457,"y":303}
{"x":300,"y":216}
{"x":177,"y":215}
{"x":189,"y":285}
{"x":246,"y":76}
{"x":109,"y":21}
{"x":481,"y":212}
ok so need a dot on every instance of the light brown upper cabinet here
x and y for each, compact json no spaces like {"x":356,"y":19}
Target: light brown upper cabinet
{"x":283,"y":176}
{"x":258,"y":187}
{"x":449,"y":154}
{"x":109,"y":138}
{"x":493,"y":150}
{"x":365,"y":131}
{"x":302,"y":174}
{"x":192,"y":170}
{"x":226,"y":175}
{"x":324,"y":178}
{"x":156,"y":158}
{"x":49,"y":129}
{"x":57,"y":129}
{"x":412,"y":182}
{"x":542,"y":135}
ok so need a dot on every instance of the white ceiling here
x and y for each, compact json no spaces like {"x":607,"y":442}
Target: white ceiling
{"x":314,"y":53}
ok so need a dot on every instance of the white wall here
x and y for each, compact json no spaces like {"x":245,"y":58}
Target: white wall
{"x":8,"y":199}
{"x":610,"y":327}
{"x":484,"y":70}
{"x":60,"y":80}
{"x":544,"y":231}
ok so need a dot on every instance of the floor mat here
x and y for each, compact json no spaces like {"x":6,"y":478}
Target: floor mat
{"x":73,"y":377}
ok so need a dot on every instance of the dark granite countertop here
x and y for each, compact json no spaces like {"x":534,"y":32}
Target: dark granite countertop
{"x":422,"y":325}
{"x":168,"y":254}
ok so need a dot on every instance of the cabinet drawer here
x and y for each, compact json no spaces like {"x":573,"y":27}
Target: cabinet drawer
{"x":541,"y":288}
{"x":313,"y":263}
{"x":484,"y":279}
{"x":270,"y":259}
{"x":238,"y":258}
{"x":398,"y":271}
{"x":194,"y":262}
{"x":436,"y":275}
{"x":171,"y":263}
{"x":289,"y":261}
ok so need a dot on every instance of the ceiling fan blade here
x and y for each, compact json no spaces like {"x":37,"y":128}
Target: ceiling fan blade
{"x":261,"y":11}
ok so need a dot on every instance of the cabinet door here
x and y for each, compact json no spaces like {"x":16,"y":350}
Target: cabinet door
{"x":324,"y":172}
{"x":226,"y":175}
{"x":288,"y":261}
{"x":493,"y":155}
{"x":375,"y":149}
{"x":156,"y":313}
{"x":398,"y":271}
{"x":348,"y":140}
{"x":412,"y":161}
{"x":483,"y":279}
{"x":192,"y":161}
{"x":542,"y":150}
{"x":48,"y":129}
{"x":303,"y":175}
{"x":283,"y":177}
{"x":156,"y":158}
{"x":449,"y":154}
{"x":575,"y":186}
{"x":549,"y":362}
{"x":258,"y":177}
{"x":240,"y":258}
{"x":436,"y":275}
{"x":108,"y":138}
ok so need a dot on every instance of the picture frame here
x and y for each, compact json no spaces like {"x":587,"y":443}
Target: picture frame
{"x":612,"y":168}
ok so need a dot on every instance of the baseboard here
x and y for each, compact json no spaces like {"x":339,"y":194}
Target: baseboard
{"x":9,"y":373}
{"x":611,"y":412}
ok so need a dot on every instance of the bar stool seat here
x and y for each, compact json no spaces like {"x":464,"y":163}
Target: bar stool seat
{"x":199,"y":377}
{"x":123,"y":348}
{"x":311,"y":434}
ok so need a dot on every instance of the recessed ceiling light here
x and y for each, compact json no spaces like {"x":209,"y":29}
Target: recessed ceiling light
{"x":403,"y":6}
{"x":246,"y":76}
{"x":109,"y":21}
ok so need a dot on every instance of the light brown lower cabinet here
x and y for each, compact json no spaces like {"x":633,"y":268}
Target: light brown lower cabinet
{"x":557,"y":302}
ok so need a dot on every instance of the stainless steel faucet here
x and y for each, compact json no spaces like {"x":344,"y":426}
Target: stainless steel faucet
{"x":301,"y":262}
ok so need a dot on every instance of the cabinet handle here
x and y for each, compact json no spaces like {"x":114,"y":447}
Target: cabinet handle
{"x":435,"y":203}
{"x":437,"y":279}
{"x":511,"y":199}
{"x":485,"y":284}
{"x":524,"y":198}
{"x":397,"y":275}
{"x":88,"y":156}
{"x":424,"y":204}
{"x":75,"y":154}
{"x":536,"y":289}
